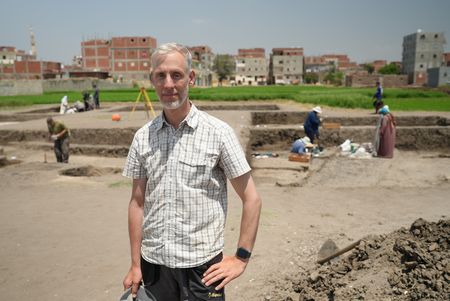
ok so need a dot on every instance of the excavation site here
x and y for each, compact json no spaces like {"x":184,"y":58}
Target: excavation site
{"x":387,"y":218}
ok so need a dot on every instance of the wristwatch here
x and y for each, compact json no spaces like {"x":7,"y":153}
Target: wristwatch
{"x":243,"y":253}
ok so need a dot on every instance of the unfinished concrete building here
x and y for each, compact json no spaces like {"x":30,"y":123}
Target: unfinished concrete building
{"x":422,"y":50}
{"x":251,"y":67}
{"x":286,"y":66}
{"x":124,"y":58}
{"x":130,"y":57}
{"x":95,"y":55}
{"x":202,"y":63}
{"x":18,"y":64}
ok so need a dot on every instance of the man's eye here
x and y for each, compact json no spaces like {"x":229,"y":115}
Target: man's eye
{"x":160,"y":75}
{"x":176,"y":76}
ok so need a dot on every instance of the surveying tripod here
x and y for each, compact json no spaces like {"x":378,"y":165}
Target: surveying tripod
{"x":147,"y":104}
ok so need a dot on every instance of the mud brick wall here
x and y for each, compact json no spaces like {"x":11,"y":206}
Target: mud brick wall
{"x":369,"y":80}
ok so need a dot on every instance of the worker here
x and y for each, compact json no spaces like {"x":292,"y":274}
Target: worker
{"x":312,"y":122}
{"x":59,"y":134}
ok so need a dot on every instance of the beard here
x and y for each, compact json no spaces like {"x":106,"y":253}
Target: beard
{"x":173,"y":105}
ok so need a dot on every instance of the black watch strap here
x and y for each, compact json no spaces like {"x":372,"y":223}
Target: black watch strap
{"x":243,"y":253}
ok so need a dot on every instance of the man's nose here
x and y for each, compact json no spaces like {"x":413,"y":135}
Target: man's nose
{"x":168,"y":81}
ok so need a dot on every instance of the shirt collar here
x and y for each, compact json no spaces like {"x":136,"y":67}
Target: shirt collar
{"x":191,"y":119}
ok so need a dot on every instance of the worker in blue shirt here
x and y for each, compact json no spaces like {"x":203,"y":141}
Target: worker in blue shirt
{"x":378,"y":103}
{"x":312,"y":123}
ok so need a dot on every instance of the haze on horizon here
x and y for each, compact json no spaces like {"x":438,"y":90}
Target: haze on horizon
{"x":362,"y":29}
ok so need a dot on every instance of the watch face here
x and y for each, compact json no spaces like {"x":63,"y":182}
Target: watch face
{"x":243,"y":253}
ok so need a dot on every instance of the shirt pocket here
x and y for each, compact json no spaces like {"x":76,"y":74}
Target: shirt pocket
{"x":196,"y":170}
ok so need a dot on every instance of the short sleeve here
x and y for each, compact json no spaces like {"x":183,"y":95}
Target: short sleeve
{"x":232,"y":160}
{"x":134,"y":165}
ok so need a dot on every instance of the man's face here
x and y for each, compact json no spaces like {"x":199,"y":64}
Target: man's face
{"x":171,"y":80}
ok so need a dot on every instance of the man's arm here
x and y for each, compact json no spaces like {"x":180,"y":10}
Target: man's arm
{"x":232,"y":267}
{"x":135,"y":218}
{"x":60,"y":134}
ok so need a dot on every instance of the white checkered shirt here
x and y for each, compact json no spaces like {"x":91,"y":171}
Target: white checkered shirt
{"x":186,"y":194}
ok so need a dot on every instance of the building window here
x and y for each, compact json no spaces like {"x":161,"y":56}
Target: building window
{"x":421,"y":66}
{"x":422,"y":37}
{"x":145,"y":64}
{"x":280,"y":62}
{"x":435,"y":36}
{"x":144,"y":40}
{"x":421,"y":56}
{"x":132,"y":40}
{"x":445,"y":74}
{"x":434,"y":56}
{"x":119,"y":64}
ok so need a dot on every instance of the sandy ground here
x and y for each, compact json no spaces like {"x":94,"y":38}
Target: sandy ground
{"x":65,"y":238}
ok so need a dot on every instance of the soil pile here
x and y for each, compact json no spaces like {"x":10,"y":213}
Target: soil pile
{"x":407,"y":264}
{"x":89,"y":171}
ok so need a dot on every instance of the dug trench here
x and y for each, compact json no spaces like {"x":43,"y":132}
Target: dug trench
{"x":303,"y":205}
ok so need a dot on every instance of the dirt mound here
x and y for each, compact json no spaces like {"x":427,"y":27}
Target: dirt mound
{"x":406,"y":264}
{"x":89,"y":171}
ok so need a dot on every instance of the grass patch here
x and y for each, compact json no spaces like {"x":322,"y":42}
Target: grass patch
{"x":407,"y":99}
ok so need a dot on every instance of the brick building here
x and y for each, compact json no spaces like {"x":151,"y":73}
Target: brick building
{"x":17,"y":64}
{"x":327,"y":62}
{"x":378,"y":64}
{"x":251,"y":67}
{"x":421,"y":51}
{"x":95,"y":54}
{"x":286,"y":66}
{"x":123,"y":57}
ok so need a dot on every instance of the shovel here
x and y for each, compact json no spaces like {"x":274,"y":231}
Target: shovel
{"x":329,"y":250}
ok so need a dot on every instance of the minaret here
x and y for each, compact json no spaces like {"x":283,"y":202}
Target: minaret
{"x":33,"y":43}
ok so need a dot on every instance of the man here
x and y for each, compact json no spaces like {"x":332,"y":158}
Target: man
{"x":96,"y":97}
{"x":378,"y":96}
{"x":60,"y":134}
{"x":299,"y":146}
{"x":180,"y":162}
{"x":312,"y":122}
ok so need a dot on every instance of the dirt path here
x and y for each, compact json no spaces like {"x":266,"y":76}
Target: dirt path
{"x":65,"y":238}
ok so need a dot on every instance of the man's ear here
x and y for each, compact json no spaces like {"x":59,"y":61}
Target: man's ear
{"x":192,"y":78}
{"x":151,"y":76}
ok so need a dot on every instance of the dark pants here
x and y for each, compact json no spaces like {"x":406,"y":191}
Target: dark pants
{"x":61,"y":148}
{"x":97,"y":102}
{"x":311,"y":135}
{"x":378,"y":104}
{"x":168,"y":284}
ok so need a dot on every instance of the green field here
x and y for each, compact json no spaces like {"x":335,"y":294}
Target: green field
{"x":411,"y":99}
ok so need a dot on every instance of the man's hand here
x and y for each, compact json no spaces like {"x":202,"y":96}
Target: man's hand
{"x":54,"y":137}
{"x":133,"y":278}
{"x":228,"y":269}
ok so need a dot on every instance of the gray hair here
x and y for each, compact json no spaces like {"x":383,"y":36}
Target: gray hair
{"x":164,"y":49}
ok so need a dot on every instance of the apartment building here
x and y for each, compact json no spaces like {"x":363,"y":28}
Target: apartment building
{"x":123,"y":57}
{"x":251,"y":67}
{"x":421,"y":51}
{"x":202,"y":63}
{"x":131,"y":57}
{"x":95,"y":55}
{"x":18,"y":64}
{"x":286,"y":66}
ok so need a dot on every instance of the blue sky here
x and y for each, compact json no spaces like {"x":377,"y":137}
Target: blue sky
{"x":365,"y":30}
